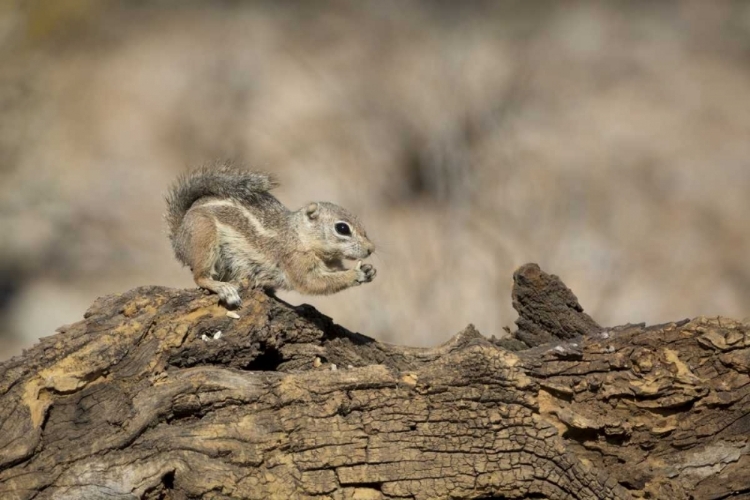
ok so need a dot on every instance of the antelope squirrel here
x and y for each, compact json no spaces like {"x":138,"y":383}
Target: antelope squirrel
{"x":226,"y":226}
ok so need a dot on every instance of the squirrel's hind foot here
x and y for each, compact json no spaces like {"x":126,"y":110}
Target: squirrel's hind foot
{"x":229,"y":294}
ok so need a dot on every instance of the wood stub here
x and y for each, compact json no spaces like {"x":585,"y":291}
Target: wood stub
{"x":547,"y":309}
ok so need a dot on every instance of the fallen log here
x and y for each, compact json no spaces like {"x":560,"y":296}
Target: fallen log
{"x":158,"y":394}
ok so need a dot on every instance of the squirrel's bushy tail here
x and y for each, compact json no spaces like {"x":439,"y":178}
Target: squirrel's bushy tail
{"x":224,"y":180}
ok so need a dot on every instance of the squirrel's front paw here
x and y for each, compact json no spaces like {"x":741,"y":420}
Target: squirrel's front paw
{"x":365,"y":272}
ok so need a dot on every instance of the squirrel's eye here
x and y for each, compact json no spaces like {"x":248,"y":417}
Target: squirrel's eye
{"x":343,"y":229}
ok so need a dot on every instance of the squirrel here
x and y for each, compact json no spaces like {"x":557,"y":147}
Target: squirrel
{"x":226,"y":226}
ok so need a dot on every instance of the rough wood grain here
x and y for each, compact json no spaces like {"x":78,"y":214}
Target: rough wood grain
{"x":158,"y":394}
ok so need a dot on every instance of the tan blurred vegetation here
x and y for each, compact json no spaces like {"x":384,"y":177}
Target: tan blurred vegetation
{"x":607,"y":141}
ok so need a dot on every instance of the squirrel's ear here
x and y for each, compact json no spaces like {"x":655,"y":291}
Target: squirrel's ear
{"x":312,"y":210}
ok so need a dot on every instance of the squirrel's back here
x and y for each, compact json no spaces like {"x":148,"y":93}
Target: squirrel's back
{"x":225,"y":181}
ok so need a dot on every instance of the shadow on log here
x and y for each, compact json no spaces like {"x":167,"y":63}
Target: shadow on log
{"x":158,"y":394}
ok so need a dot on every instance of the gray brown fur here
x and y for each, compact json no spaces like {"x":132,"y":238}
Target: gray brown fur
{"x":226,"y":226}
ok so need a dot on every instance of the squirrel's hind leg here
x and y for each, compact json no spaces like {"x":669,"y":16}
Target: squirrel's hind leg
{"x":203,"y":254}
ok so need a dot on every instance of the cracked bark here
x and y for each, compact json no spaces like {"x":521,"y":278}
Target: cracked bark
{"x":143,"y":399}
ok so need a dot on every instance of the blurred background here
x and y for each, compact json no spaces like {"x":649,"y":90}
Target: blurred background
{"x":607,"y":141}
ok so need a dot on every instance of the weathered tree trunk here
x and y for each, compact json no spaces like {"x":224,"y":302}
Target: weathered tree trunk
{"x":157,"y":393}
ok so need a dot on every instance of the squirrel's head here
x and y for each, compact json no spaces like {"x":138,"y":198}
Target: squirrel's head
{"x":333,"y":233}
